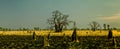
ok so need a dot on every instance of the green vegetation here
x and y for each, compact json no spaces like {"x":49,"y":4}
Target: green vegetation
{"x":56,"y":42}
{"x":59,"y":21}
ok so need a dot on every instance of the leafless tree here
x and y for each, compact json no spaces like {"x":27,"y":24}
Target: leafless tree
{"x":94,"y":25}
{"x":58,"y":21}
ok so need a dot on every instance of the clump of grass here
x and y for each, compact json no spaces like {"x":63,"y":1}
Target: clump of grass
{"x":64,"y":38}
{"x":46,"y":40}
{"x":114,"y":43}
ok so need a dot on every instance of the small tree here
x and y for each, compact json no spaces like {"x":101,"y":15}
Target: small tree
{"x":94,"y":25}
{"x":0,"y":27}
{"x":108,"y":26}
{"x":58,"y":21}
{"x":36,"y":28}
{"x":104,"y":25}
{"x":114,"y":28}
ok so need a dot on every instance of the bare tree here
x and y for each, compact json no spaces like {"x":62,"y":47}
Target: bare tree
{"x":94,"y":25}
{"x":58,"y":21}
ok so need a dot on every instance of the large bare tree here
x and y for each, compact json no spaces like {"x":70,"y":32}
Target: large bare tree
{"x":58,"y":21}
{"x":94,"y":25}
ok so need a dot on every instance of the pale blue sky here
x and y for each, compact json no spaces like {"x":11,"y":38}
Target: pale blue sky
{"x":34,"y":13}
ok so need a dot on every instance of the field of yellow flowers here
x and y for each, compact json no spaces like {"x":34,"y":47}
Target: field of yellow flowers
{"x":66,"y":32}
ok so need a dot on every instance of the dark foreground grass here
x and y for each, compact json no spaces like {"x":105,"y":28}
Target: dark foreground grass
{"x":56,"y":42}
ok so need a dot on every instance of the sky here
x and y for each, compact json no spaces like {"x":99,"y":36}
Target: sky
{"x":34,"y":13}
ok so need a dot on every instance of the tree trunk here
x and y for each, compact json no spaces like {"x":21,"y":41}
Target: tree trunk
{"x":56,"y":28}
{"x":93,"y":29}
{"x":61,"y":28}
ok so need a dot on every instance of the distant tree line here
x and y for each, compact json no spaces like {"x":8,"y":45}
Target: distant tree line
{"x":95,"y":25}
{"x":92,"y":27}
{"x":20,"y":29}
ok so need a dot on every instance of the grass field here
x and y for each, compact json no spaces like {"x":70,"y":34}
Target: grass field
{"x":87,"y":40}
{"x":56,"y":42}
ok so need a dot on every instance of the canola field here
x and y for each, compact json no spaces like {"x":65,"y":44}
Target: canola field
{"x":66,"y":32}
